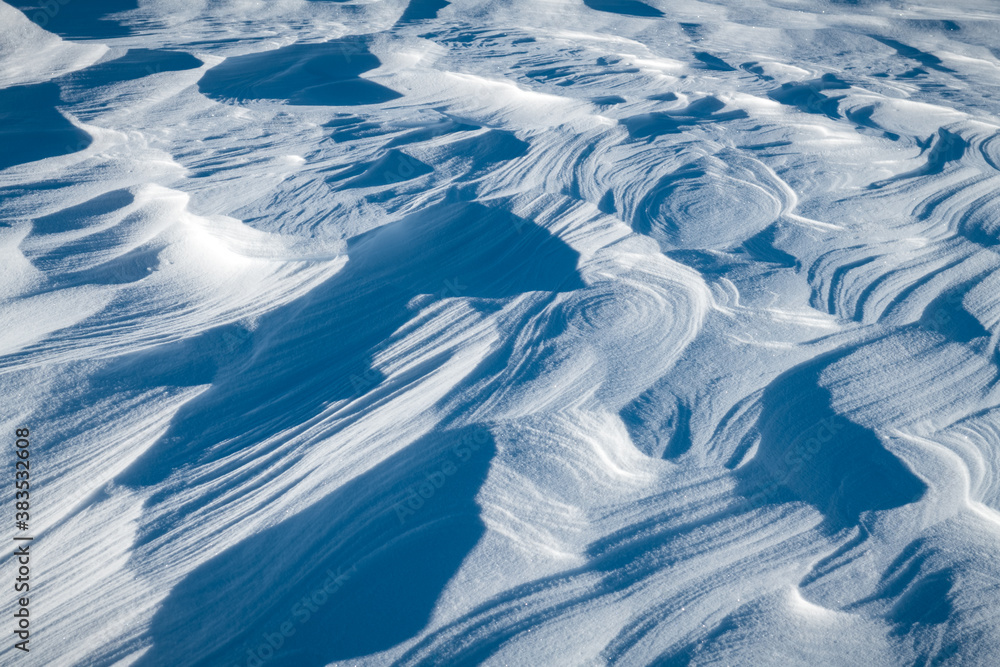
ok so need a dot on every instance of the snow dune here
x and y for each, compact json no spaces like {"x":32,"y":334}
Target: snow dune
{"x":566,"y":332}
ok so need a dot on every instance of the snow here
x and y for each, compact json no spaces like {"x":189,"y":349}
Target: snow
{"x":549,"y":332}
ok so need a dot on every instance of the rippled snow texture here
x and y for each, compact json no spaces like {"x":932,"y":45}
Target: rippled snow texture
{"x":548,"y":332}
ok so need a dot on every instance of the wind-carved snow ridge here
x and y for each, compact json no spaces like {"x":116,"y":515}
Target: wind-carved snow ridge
{"x":537,"y":333}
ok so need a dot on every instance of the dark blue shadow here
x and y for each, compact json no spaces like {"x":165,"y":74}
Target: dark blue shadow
{"x":77,"y":217}
{"x":945,"y":148}
{"x":77,"y":19}
{"x":326,"y":74}
{"x":394,"y":166}
{"x":906,"y":51}
{"x":319,"y":348}
{"x":708,"y":61}
{"x":809,"y":452}
{"x":422,"y":10}
{"x":32,"y":129}
{"x":135,"y":64}
{"x":624,"y":7}
{"x":807,"y":96}
{"x":356,"y":573}
{"x":705,"y":110}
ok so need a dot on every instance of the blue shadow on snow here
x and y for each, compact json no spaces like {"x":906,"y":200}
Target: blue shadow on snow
{"x":354,"y":574}
{"x":326,"y":74}
{"x":320,"y":348}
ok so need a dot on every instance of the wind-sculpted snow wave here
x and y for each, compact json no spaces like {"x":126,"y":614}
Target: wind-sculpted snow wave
{"x":479,"y":332}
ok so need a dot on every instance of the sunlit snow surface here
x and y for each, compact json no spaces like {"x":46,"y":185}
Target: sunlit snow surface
{"x":528,"y":332}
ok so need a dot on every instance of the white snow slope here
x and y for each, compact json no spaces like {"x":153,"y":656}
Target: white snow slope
{"x":528,"y":332}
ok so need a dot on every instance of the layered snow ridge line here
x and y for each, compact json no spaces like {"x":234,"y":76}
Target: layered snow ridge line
{"x":502,"y":332}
